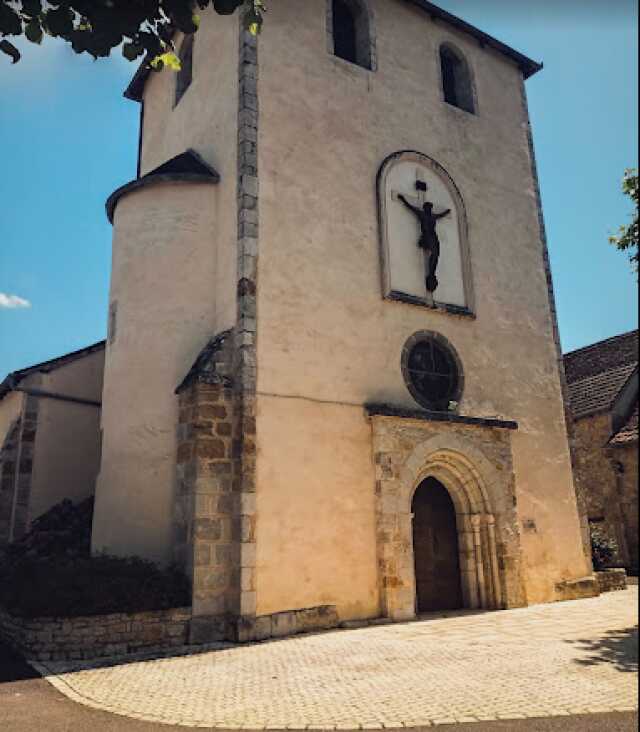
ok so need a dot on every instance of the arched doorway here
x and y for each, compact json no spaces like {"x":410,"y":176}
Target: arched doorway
{"x":435,"y":548}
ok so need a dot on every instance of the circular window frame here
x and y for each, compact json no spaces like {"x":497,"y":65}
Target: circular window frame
{"x":425,"y":336}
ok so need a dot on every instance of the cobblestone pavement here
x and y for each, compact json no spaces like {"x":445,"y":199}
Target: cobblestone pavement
{"x":547,"y":660}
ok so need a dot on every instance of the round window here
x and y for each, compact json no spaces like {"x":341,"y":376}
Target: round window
{"x":431,"y":371}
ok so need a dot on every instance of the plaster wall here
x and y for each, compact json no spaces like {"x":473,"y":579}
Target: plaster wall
{"x":173,"y":275}
{"x":205,"y":120}
{"x":315,"y":506}
{"x":66,"y":455}
{"x":325,"y":335}
{"x":164,"y":280}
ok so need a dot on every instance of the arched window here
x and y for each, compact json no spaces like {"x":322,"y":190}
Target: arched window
{"x":456,"y":79}
{"x":351,"y":32}
{"x":185,"y":75}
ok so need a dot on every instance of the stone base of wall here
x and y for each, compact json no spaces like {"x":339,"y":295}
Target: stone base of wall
{"x":279,"y":625}
{"x":577,"y":589}
{"x":611,"y":579}
{"x":64,"y":639}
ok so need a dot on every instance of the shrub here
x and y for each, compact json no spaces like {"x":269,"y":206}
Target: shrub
{"x":603,"y":549}
{"x":49,"y":572}
{"x":63,"y":530}
{"x":68,"y":587}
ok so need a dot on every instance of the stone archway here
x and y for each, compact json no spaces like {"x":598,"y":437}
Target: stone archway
{"x":407,"y":453}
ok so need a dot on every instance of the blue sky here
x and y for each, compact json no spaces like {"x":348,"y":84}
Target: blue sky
{"x":69,"y":139}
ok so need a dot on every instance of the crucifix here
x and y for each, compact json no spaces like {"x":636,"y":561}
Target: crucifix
{"x":428,"y":241}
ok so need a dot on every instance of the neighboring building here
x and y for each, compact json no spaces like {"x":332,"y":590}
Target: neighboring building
{"x":49,"y":436}
{"x":603,"y":389}
{"x":332,"y":373}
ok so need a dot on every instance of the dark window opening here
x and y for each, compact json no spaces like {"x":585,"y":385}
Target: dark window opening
{"x":456,"y":80}
{"x":433,"y":373}
{"x":185,"y":75}
{"x":351,"y":40}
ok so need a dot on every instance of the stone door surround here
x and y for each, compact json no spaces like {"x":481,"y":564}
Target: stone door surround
{"x":409,"y":450}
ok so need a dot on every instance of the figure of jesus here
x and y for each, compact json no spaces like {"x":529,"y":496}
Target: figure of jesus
{"x":428,"y":238}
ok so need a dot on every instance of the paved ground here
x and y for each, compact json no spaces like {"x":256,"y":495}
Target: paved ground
{"x":544,"y":661}
{"x":29,"y":704}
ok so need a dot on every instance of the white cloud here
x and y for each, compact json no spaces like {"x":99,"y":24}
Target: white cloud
{"x":13,"y":301}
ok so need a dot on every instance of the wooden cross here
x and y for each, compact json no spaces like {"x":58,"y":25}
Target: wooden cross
{"x":420,"y":188}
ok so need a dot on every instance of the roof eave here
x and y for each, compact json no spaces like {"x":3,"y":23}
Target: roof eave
{"x":528,"y":66}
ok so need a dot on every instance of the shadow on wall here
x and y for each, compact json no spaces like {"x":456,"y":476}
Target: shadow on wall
{"x":617,"y":647}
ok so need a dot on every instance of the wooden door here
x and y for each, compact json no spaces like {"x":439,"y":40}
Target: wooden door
{"x":435,"y":548}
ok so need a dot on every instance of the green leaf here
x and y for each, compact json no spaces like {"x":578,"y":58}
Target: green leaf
{"x":10,"y":50}
{"x":33,"y":31}
{"x":167,"y":59}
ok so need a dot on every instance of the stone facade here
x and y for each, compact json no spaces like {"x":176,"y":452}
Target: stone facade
{"x":8,"y":458}
{"x":245,"y":364}
{"x":207,"y":516}
{"x":65,"y":639}
{"x":289,"y":494}
{"x":625,"y":461}
{"x":475,"y":463}
{"x":16,"y":468}
{"x":608,"y":482}
{"x":603,"y":387}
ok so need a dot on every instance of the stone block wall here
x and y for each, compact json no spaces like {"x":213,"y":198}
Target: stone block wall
{"x":625,"y":464}
{"x":207,"y":521}
{"x":8,"y":466}
{"x":474,"y":463}
{"x":16,"y":467}
{"x":611,"y":579}
{"x":607,"y":485}
{"x":65,"y":639}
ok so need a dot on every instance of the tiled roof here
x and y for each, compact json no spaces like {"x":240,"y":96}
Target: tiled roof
{"x":188,"y":167}
{"x":597,"y":392}
{"x":627,"y":434}
{"x":611,"y":353}
{"x":596,"y":373}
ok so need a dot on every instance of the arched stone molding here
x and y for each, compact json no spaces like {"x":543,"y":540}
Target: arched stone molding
{"x":488,"y":541}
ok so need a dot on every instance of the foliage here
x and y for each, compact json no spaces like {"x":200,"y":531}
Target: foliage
{"x":603,"y":549}
{"x":49,"y":572}
{"x":68,"y":587}
{"x":143,"y":27}
{"x":63,"y":531}
{"x":627,"y":236}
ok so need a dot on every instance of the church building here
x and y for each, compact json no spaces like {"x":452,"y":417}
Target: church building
{"x":333,"y":388}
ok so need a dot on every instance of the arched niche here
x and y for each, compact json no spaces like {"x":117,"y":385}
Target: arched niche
{"x":419,"y":179}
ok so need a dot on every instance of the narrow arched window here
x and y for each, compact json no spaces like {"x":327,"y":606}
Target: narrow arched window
{"x":456,"y":79}
{"x":351,"y":32}
{"x":185,"y":75}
